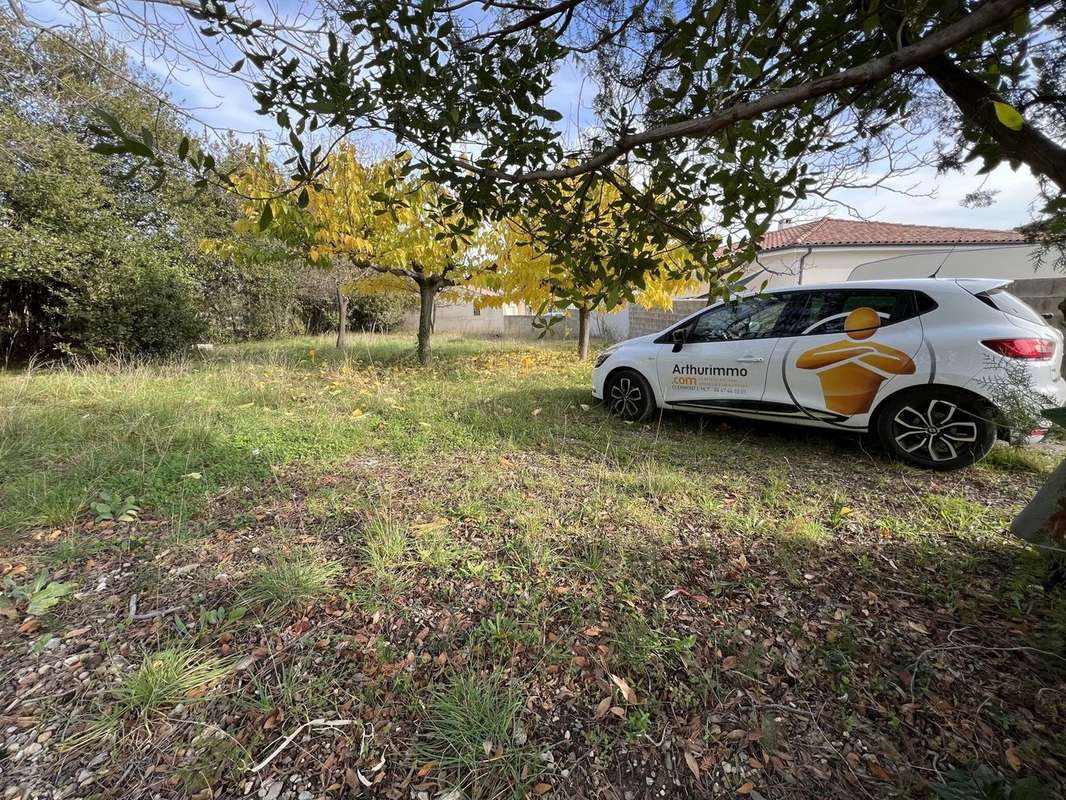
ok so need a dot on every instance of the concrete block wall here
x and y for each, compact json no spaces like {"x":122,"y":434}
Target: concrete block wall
{"x":460,"y":318}
{"x":1043,"y":294}
{"x":652,"y":320}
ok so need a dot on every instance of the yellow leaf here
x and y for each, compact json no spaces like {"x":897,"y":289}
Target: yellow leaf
{"x":1008,"y":115}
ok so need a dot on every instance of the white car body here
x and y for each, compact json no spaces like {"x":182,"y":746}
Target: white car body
{"x":824,"y":369}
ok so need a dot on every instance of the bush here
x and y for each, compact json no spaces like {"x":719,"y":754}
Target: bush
{"x":378,"y":312}
{"x":148,"y":308}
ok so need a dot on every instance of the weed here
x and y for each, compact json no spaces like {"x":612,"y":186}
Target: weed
{"x":638,"y":724}
{"x":113,"y":507}
{"x":1018,"y":459}
{"x":499,"y":635}
{"x":470,"y":734}
{"x":294,"y":689}
{"x":803,"y":533}
{"x":39,"y":596}
{"x":299,"y":576}
{"x":74,"y":548}
{"x":958,"y":514}
{"x":984,"y":782}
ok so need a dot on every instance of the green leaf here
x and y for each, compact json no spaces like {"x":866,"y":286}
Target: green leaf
{"x":183,"y":148}
{"x":48,"y":598}
{"x":237,"y":66}
{"x":1008,"y":115}
{"x":266,"y":217}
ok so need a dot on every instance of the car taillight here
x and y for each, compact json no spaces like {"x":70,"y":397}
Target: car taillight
{"x":1029,"y":349}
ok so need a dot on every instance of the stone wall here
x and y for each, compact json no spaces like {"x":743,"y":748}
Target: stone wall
{"x":652,"y":320}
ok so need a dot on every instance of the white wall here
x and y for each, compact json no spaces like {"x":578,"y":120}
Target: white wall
{"x":828,"y":264}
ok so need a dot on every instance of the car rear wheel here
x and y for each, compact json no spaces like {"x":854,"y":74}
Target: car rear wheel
{"x":937,"y":428}
{"x":628,"y":395}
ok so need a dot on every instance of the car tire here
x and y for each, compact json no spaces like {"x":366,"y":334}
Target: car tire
{"x":937,"y":427}
{"x":627,"y":394}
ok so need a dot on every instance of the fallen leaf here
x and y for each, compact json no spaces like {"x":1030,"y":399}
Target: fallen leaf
{"x":878,"y":771}
{"x":690,"y":760}
{"x":729,"y":662}
{"x":542,"y":788}
{"x":602,"y":708}
{"x":745,"y":788}
{"x":425,"y":769}
{"x":1014,"y":759}
{"x":31,"y":625}
{"x":627,"y":690}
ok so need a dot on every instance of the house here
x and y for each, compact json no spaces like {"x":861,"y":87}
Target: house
{"x":831,"y":249}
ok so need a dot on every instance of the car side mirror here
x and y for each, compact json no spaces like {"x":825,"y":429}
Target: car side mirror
{"x":677,"y":336}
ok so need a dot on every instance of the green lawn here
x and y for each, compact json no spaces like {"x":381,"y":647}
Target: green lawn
{"x":497,"y":588}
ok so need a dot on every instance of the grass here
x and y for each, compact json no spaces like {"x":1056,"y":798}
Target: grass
{"x":164,"y":679}
{"x":428,"y":541}
{"x":472,"y":734}
{"x":385,"y":545}
{"x":299,"y":575}
{"x":167,"y":678}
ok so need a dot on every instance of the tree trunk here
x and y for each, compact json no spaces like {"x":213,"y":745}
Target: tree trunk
{"x":583,"y":333}
{"x":342,"y":316}
{"x":427,"y":292}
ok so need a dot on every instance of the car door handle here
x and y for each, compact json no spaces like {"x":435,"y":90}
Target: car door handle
{"x":751,"y":360}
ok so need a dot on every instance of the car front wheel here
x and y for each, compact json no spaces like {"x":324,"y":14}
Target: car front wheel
{"x":937,"y":428}
{"x":628,"y":395}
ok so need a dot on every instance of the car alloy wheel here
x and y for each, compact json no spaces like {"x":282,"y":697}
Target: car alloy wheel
{"x":627,"y":398}
{"x":940,"y":431}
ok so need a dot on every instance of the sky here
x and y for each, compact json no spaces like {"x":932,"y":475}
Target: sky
{"x":224,"y":102}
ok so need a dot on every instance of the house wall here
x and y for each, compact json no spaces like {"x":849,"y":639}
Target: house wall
{"x":829,"y":264}
{"x":460,"y":318}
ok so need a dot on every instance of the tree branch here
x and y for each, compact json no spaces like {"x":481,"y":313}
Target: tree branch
{"x":902,"y":59}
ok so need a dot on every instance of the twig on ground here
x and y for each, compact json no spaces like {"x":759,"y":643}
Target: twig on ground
{"x":162,"y":612}
{"x":314,"y":723}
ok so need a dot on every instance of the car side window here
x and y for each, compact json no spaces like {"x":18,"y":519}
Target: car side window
{"x":827,"y":310}
{"x":744,"y":318}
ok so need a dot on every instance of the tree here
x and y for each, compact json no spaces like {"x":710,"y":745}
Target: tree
{"x":370,"y":225}
{"x":528,"y":270}
{"x":742,"y":106}
{"x":93,"y":260}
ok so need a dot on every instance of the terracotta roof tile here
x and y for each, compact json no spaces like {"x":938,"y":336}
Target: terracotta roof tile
{"x":829,"y":231}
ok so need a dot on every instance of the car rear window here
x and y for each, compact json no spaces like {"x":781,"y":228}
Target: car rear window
{"x":1004,"y":301}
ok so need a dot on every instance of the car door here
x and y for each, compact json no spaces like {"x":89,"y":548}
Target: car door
{"x":722,"y":362}
{"x":841,"y":350}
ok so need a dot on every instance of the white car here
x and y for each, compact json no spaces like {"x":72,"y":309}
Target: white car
{"x":927,"y":364}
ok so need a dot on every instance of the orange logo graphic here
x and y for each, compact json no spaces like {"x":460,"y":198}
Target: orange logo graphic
{"x":851,"y":371}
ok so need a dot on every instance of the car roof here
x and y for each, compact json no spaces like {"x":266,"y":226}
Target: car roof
{"x":922,"y":284}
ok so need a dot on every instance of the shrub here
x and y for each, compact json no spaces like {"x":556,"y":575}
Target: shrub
{"x":378,"y":312}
